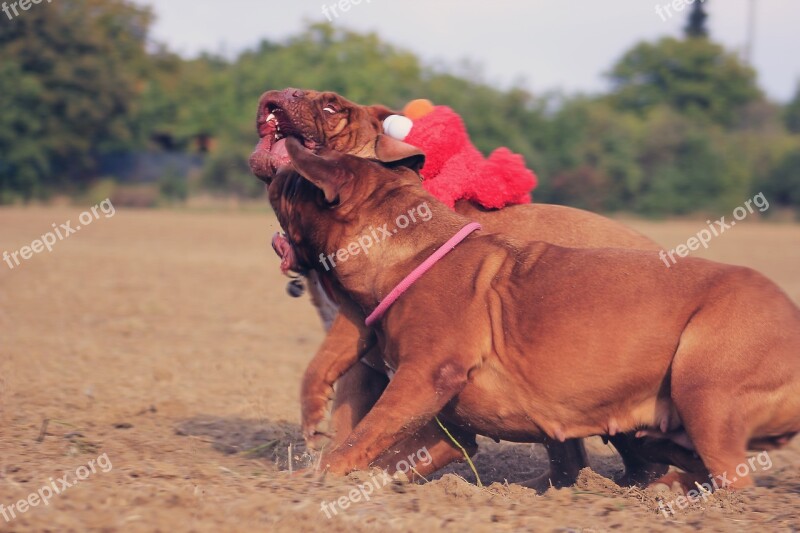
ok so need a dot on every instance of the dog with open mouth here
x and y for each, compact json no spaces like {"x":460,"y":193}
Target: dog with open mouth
{"x":325,"y":119}
{"x":539,"y":341}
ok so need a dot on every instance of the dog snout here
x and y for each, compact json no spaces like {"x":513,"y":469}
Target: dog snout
{"x":294,"y":93}
{"x":281,"y":98}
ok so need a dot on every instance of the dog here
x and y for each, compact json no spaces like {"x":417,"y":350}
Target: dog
{"x":525,"y":340}
{"x":328,"y":119}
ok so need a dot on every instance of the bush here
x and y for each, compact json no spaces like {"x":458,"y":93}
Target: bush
{"x":100,"y":190}
{"x":228,"y":172}
{"x":173,"y":187}
{"x":140,"y":196}
{"x":782,"y":186}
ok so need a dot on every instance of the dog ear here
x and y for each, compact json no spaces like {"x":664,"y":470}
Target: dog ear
{"x":326,"y":170}
{"x":390,"y":150}
{"x":381,"y":112}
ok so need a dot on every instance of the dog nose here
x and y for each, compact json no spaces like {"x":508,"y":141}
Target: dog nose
{"x":293,"y":93}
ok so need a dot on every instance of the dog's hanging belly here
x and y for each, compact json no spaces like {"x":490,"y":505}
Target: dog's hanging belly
{"x":500,"y":405}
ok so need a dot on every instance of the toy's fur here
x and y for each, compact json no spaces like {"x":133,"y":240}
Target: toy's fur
{"x":455,"y":169}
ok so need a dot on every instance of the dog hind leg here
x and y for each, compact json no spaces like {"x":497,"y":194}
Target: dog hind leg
{"x":356,"y":393}
{"x":441,"y":451}
{"x":639,"y":468}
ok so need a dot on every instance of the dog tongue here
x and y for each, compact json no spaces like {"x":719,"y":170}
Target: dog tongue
{"x":285,"y":251}
{"x":279,"y":154}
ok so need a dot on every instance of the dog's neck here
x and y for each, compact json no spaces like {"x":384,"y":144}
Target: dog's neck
{"x":369,"y":277}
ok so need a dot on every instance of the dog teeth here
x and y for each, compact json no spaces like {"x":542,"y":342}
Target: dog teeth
{"x":271,"y":117}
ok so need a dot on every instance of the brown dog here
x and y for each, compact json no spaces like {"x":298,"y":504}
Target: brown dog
{"x":526,"y":340}
{"x":327,"y":119}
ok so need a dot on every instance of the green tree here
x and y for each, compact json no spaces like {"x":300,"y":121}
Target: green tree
{"x":685,"y":127}
{"x":792,"y":115}
{"x":696,"y":77}
{"x":696,"y":25}
{"x":72,"y":74}
{"x":783,"y":184}
{"x":688,"y":166}
{"x":591,"y":155}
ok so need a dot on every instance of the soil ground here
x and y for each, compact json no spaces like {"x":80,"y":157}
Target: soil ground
{"x":161,"y":345}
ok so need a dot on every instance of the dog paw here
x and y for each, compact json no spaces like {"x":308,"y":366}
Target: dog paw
{"x":546,"y":480}
{"x":316,"y":440}
{"x":332,"y":464}
{"x":312,"y":416}
{"x":682,"y":483}
{"x":642,"y":476}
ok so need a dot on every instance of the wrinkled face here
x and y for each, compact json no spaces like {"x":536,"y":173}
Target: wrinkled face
{"x":324,"y":192}
{"x":298,"y":204}
{"x":315,"y":118}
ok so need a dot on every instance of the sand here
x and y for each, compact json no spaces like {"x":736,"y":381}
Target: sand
{"x":161,"y":347}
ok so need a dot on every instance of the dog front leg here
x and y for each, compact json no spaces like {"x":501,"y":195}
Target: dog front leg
{"x":357,"y":391}
{"x":412,"y":399}
{"x":344,"y":345}
{"x":566,"y":461}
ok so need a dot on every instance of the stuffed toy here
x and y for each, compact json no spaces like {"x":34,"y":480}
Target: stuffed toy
{"x":454,"y":168}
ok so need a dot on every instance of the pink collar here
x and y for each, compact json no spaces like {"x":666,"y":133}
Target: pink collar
{"x":418,"y":272}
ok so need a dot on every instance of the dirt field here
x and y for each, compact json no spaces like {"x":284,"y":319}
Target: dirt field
{"x":165,"y":341}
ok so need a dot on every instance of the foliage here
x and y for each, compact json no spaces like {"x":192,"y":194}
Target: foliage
{"x":683,"y":128}
{"x":69,"y":89}
{"x":793,"y":112}
{"x":227,"y":172}
{"x":783,"y":183}
{"x":696,"y":26}
{"x":173,"y":187}
{"x":696,"y":77}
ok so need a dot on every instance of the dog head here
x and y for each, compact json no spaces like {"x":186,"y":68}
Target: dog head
{"x":324,"y":198}
{"x":317,"y":119}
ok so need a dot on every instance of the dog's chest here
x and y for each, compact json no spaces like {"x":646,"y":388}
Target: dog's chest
{"x":326,"y":307}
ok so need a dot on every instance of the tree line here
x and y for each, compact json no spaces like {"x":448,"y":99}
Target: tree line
{"x":684,"y":126}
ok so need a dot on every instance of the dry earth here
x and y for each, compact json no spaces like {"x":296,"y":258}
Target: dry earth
{"x":164,"y":342}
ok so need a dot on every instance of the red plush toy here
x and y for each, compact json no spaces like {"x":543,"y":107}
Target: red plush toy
{"x":454,"y":169}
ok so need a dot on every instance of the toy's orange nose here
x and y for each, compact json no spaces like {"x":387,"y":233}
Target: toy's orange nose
{"x":418,"y":108}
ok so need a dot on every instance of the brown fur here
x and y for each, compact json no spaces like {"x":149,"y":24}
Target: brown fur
{"x":355,"y":130}
{"x":538,"y":341}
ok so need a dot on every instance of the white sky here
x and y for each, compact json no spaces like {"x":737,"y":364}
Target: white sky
{"x":549,"y":44}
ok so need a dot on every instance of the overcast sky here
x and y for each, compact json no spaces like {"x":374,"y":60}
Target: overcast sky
{"x":547,"y":44}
